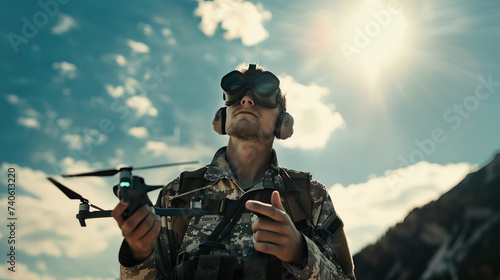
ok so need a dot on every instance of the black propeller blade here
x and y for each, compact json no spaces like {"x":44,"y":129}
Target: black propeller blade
{"x":111,"y":172}
{"x":69,"y":193}
{"x":73,"y":195}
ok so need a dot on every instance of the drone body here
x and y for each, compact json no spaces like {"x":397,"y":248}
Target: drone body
{"x":130,"y":189}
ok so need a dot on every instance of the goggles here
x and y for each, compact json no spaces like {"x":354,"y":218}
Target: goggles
{"x":264,"y":85}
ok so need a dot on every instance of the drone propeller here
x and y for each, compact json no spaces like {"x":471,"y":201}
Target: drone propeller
{"x":111,"y":172}
{"x":73,"y":195}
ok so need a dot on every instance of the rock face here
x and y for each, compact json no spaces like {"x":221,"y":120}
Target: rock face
{"x":454,"y":237}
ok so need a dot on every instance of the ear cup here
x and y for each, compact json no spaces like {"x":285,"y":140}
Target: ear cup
{"x":219,"y":122}
{"x":284,"y":126}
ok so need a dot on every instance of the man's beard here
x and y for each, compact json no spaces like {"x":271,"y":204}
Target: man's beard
{"x":246,"y":130}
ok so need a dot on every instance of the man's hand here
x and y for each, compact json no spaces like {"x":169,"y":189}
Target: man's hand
{"x":140,"y":230}
{"x":275,"y":232}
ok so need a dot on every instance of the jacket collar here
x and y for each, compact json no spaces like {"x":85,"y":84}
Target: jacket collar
{"x":220,"y":169}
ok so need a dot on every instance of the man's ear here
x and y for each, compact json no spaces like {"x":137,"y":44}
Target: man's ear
{"x":284,"y":126}
{"x":219,"y":122}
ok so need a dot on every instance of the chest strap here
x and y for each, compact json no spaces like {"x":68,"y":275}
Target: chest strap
{"x":211,"y":206}
{"x":225,"y":226}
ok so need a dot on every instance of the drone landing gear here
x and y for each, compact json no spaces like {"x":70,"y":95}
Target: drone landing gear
{"x":84,"y":213}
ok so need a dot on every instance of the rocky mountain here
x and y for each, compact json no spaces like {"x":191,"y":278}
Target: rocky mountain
{"x":454,"y":237}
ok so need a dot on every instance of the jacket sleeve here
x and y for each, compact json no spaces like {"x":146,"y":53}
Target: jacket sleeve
{"x":159,"y":264}
{"x":144,"y":270}
{"x":326,"y":256}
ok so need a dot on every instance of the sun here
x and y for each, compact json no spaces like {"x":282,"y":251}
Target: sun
{"x":374,"y":39}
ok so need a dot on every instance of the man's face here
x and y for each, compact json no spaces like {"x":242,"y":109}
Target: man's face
{"x":248,"y":120}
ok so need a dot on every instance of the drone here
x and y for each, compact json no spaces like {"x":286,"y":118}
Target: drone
{"x":130,"y":189}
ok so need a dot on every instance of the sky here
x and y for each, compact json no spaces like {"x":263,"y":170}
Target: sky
{"x":394,"y":103}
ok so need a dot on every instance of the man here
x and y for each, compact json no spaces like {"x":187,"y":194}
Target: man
{"x":261,"y":222}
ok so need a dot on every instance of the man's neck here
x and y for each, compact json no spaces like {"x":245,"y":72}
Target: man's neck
{"x":249,"y":160}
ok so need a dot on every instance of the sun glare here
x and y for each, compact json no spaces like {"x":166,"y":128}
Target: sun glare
{"x":374,"y":39}
{"x":383,"y":47}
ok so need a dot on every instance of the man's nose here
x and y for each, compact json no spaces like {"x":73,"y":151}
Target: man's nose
{"x":248,"y":99}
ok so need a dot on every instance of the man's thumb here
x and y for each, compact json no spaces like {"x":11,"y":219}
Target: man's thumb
{"x":276,"y":201}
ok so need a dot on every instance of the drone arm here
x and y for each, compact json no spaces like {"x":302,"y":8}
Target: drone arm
{"x":84,"y":213}
{"x":99,"y":214}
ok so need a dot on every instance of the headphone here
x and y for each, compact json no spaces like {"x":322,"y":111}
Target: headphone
{"x":282,"y":130}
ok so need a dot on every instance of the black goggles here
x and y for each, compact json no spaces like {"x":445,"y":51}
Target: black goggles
{"x":264,"y":85}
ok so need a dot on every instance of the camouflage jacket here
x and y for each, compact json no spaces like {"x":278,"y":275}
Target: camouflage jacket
{"x":320,"y":264}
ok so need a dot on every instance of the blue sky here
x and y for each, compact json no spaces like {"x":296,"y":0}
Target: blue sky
{"x":394,"y":102}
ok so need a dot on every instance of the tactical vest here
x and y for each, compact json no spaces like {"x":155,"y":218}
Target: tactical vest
{"x":298,"y":205}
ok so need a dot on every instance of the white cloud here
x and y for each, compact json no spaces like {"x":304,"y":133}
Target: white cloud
{"x":49,"y":246}
{"x":64,"y":123}
{"x":119,"y":152}
{"x":146,"y":28}
{"x":94,"y":136}
{"x":66,"y":69}
{"x":166,"y":32}
{"x":74,"y":141}
{"x":130,"y":85}
{"x":120,"y":59}
{"x":171,"y":41}
{"x":314,"y":121}
{"x":139,"y":132}
{"x":13,"y":99}
{"x":138,"y":47}
{"x":115,"y":92}
{"x":143,"y":106}
{"x":47,"y":217}
{"x":160,"y":152}
{"x":41,"y":266}
{"x":85,"y":142}
{"x":31,"y":113}
{"x":29,"y":122}
{"x":157,"y":148}
{"x":118,"y":159}
{"x":65,"y":24}
{"x":70,"y":165}
{"x":369,"y":209}
{"x":240,"y":19}
{"x":177,"y":153}
{"x":23,"y":272}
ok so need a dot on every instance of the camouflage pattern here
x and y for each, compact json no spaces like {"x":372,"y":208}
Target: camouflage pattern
{"x":320,"y":263}
{"x":145,"y":270}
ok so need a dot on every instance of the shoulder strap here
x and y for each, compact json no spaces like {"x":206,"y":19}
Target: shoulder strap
{"x":336,"y":228}
{"x":189,"y":181}
{"x":299,"y":205}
